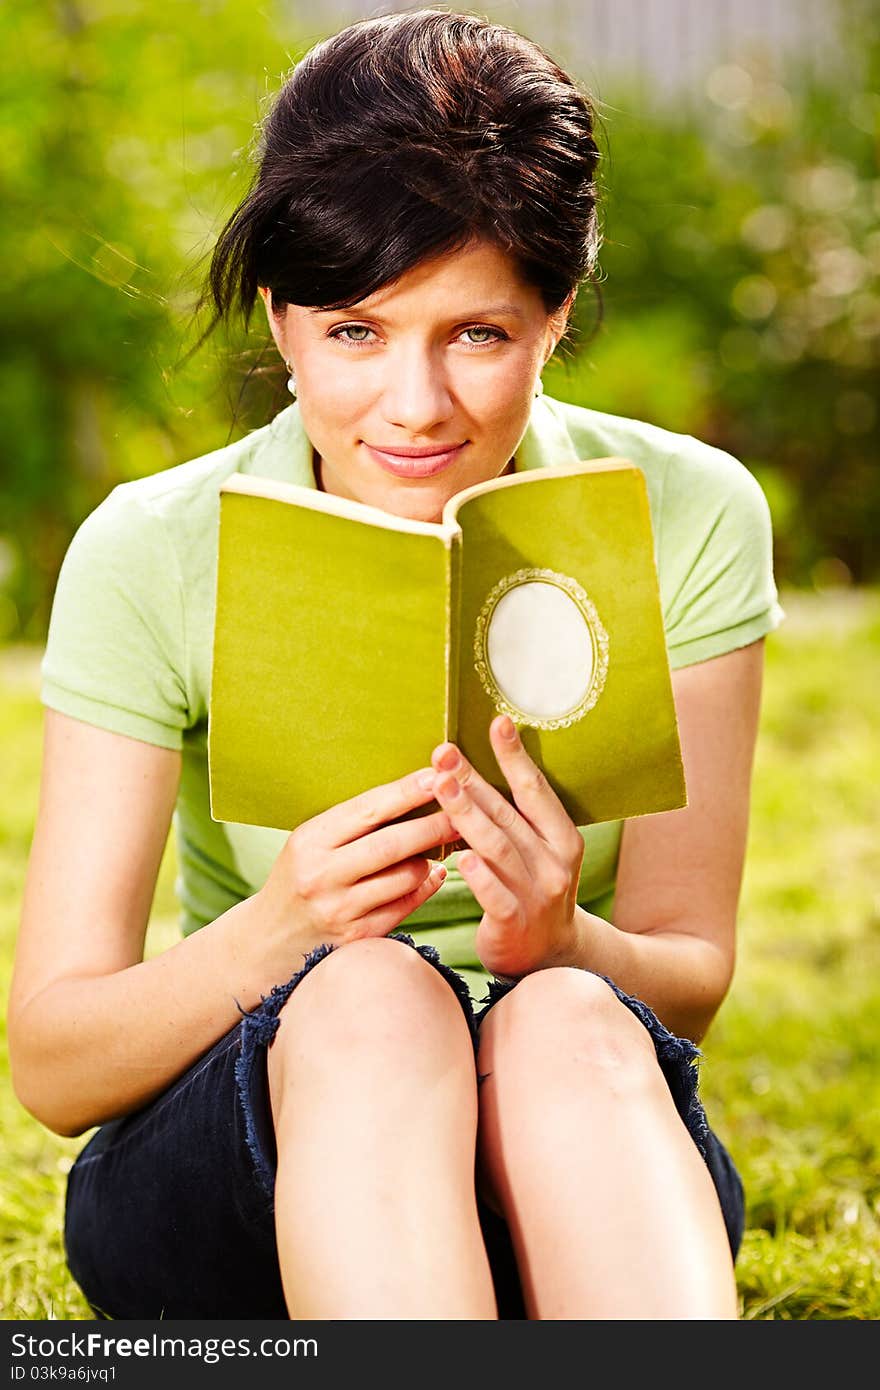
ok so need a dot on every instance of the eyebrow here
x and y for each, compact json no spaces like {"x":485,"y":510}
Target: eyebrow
{"x":486,"y":312}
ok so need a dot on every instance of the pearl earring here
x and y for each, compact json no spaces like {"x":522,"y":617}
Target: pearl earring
{"x":291,"y":380}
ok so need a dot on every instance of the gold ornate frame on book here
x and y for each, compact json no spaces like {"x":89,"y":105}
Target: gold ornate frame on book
{"x":540,"y":649}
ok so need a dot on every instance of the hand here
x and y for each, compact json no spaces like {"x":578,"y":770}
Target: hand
{"x":524,"y":860}
{"x":347,"y":874}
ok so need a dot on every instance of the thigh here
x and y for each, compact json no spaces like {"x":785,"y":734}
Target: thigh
{"x":677,"y":1058}
{"x":170,"y":1210}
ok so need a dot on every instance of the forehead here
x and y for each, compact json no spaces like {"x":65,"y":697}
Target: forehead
{"x":481,"y":277}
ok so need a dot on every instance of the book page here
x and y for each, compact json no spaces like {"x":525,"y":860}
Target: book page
{"x":329,"y":664}
{"x":561,"y":628}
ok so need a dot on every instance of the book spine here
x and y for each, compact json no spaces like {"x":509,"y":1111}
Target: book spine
{"x":453,"y":648}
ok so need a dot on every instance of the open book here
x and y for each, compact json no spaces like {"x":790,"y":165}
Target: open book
{"x":348,"y":642}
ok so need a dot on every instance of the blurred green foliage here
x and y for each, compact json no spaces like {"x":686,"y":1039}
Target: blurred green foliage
{"x":742,"y":288}
{"x":127,"y":133}
{"x":741,"y":272}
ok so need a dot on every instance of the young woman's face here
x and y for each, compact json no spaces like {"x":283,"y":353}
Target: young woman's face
{"x":446,"y":359}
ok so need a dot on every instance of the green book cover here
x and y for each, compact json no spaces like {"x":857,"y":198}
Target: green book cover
{"x":349,"y":642}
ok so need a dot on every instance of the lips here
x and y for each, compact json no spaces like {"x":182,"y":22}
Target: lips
{"x":415,"y":463}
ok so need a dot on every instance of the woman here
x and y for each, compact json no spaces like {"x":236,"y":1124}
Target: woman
{"x":301,"y":1116}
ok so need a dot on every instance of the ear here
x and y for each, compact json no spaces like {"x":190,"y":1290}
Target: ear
{"x":557,"y":324}
{"x":276,"y":324}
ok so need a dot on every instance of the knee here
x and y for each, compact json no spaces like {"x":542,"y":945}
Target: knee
{"x":368,"y":996}
{"x":563,"y":1023}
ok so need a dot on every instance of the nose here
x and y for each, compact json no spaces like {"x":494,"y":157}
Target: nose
{"x":416,"y":395}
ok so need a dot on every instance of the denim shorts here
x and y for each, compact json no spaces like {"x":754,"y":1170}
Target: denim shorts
{"x":169,"y":1210}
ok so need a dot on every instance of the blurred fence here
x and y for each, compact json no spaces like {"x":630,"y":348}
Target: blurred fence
{"x":667,"y":47}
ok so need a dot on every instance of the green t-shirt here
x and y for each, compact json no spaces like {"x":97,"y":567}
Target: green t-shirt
{"x":129,"y":643}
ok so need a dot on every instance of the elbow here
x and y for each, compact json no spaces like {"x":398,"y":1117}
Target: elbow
{"x":705,"y":975}
{"x":710,"y":990}
{"x":46,"y":1111}
{"x":41,"y":1095}
{"x":65,"y":1129}
{"x":45,"y":1107}
{"x":696,"y":1025}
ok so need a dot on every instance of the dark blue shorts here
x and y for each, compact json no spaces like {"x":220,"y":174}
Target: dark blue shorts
{"x":169,"y":1210}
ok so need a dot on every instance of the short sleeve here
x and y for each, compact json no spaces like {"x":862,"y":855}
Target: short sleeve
{"x":115,"y":651}
{"x":715,"y":556}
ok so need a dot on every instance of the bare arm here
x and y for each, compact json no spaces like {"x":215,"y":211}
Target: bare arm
{"x":679,"y":875}
{"x":94,"y":1030}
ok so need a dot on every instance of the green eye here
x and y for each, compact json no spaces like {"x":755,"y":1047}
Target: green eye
{"x":495,"y":335}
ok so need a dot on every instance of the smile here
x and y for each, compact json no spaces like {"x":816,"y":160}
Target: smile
{"x":424,"y":465}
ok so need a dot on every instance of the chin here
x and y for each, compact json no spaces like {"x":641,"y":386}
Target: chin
{"x":420,"y":501}
{"x":427,"y":509}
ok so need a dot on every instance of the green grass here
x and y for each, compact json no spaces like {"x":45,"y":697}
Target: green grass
{"x":790,"y":1077}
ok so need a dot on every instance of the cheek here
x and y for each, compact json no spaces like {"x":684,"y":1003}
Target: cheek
{"x":331,"y":402}
{"x":324,"y":374}
{"x":506,"y":386}
{"x":501,"y":407}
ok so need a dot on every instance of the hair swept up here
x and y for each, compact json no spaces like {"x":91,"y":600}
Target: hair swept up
{"x":402,"y":137}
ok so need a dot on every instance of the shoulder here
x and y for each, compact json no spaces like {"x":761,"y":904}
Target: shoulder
{"x":194,"y":484}
{"x":682,"y":472}
{"x":712,"y":531}
{"x":167,"y":521}
{"x":591,"y":429}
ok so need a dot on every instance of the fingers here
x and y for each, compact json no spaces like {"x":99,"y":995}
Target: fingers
{"x":492,"y":802}
{"x":391,"y":844}
{"x":498,"y":901}
{"x":351,"y":819}
{"x":485,"y":819}
{"x":385,"y":899}
{"x":532,"y":793}
{"x":513,"y":840}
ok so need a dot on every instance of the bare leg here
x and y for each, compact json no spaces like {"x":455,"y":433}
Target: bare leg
{"x":612,"y":1211}
{"x":373,"y":1090}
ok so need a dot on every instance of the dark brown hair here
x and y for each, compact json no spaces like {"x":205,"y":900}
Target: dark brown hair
{"x":403,"y":137}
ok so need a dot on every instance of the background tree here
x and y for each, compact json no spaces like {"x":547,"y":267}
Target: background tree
{"x":741,"y":273}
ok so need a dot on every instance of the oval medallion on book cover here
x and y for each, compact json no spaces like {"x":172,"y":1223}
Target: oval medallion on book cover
{"x":540,"y":649}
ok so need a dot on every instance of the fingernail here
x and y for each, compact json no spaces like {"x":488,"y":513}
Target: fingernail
{"x":439,"y":872}
{"x":426,"y":779}
{"x":508,"y":728}
{"x":448,"y":787}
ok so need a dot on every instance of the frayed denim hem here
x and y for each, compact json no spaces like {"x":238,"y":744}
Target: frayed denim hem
{"x":678,"y":1057}
{"x":259,"y":1026}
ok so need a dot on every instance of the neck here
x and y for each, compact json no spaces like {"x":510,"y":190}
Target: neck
{"x":316,"y":469}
